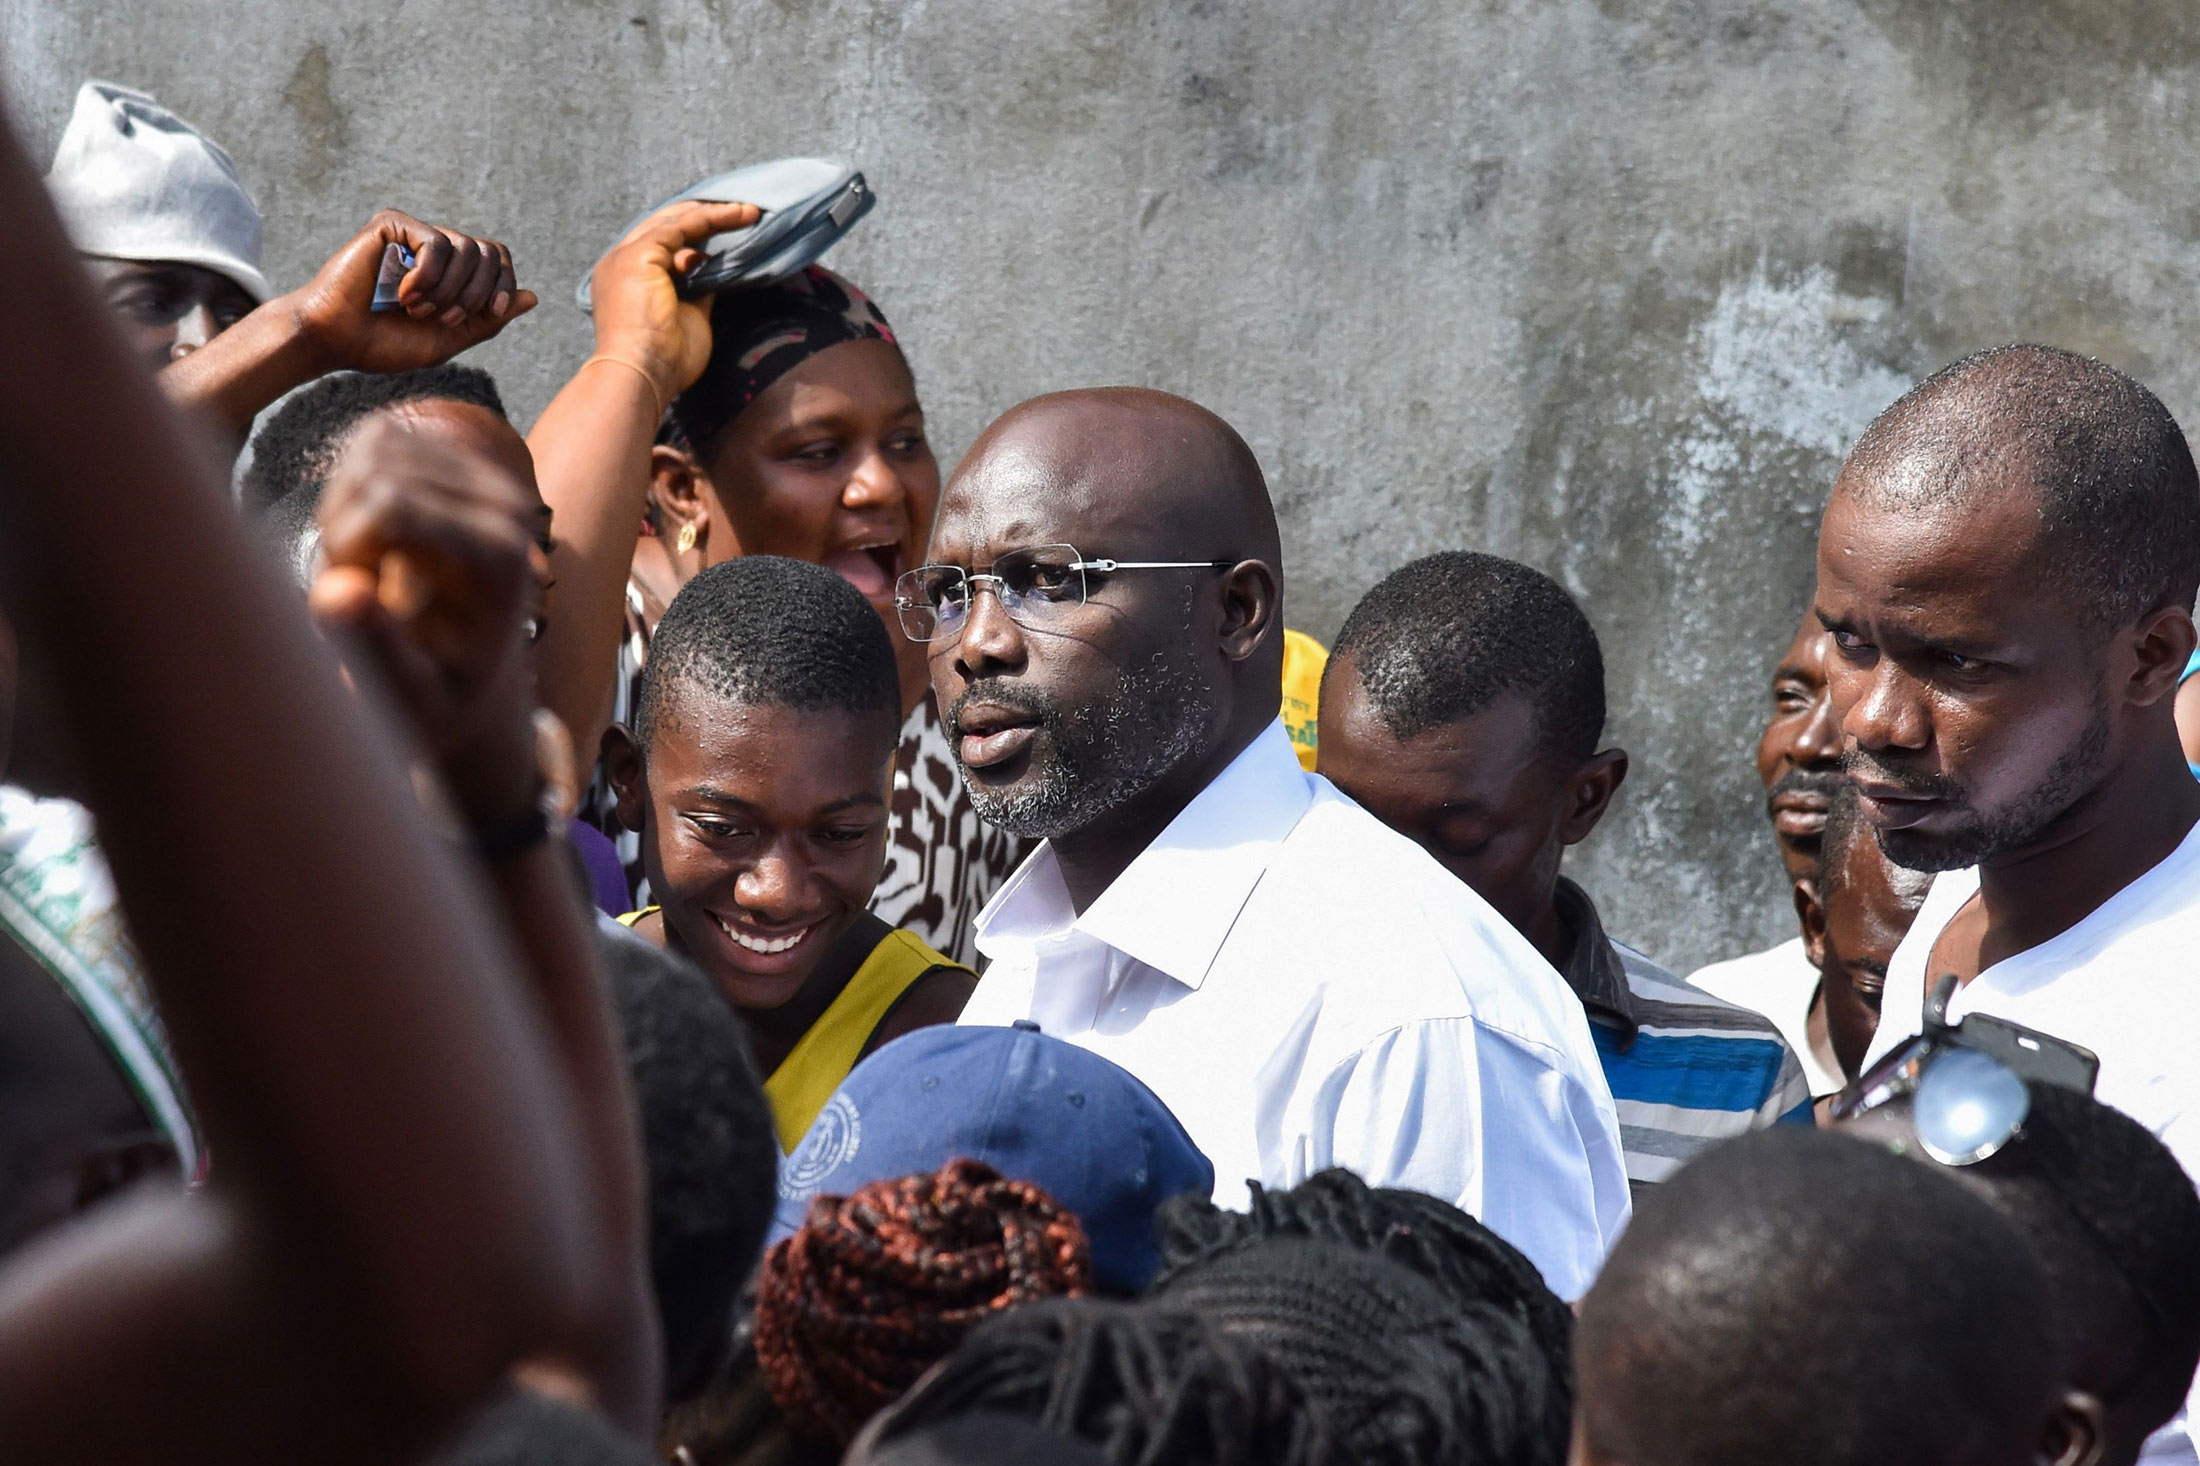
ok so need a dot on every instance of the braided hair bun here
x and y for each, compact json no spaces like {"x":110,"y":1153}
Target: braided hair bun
{"x":879,"y":1286}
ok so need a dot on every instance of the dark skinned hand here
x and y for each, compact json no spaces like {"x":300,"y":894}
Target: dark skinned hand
{"x":459,"y":292}
{"x":640,"y":316}
{"x":428,"y":580}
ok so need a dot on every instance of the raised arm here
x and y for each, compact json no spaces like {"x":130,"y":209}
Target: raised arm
{"x":459,"y":292}
{"x":592,"y":442}
{"x":398,"y":1209}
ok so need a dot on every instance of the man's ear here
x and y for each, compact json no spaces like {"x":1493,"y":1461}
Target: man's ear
{"x":1810,"y":915}
{"x":622,"y":765}
{"x":2076,"y":1433}
{"x":1249,"y":601}
{"x":1589,"y":794}
{"x":2161,"y":644}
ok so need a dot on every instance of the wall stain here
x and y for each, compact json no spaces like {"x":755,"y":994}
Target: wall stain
{"x":322,"y":131}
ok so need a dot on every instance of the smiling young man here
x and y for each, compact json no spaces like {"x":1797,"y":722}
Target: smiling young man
{"x":1463,"y":706}
{"x":1302,"y":986}
{"x":758,"y":774}
{"x":2007,"y":567}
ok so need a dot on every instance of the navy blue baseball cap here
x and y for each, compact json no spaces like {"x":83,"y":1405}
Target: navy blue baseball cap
{"x":1033,"y":1108}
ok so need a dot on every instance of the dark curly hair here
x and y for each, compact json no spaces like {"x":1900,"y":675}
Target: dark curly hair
{"x":293,"y":453}
{"x":879,"y":1286}
{"x":767,"y":630}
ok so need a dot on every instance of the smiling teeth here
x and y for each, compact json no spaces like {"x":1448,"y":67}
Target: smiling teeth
{"x":759,"y":944}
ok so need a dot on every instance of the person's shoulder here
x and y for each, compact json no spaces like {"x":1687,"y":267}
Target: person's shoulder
{"x":1347,"y":900}
{"x":1762,"y":976}
{"x":1663,"y":999}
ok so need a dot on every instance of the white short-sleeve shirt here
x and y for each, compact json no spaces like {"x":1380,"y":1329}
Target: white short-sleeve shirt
{"x":1306,"y":988}
{"x":2124,"y":982}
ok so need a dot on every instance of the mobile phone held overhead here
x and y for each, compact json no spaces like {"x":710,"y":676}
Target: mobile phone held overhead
{"x":808,"y":204}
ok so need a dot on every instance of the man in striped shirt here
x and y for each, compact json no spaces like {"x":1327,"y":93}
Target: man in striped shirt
{"x":1463,"y":705}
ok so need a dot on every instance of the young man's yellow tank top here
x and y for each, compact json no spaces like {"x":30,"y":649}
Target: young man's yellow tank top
{"x":822,"y":1057}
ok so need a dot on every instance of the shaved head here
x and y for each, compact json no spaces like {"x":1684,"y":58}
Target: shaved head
{"x":1802,"y":1297}
{"x":2105,"y":465}
{"x":1129,"y":691}
{"x":1168,"y":460}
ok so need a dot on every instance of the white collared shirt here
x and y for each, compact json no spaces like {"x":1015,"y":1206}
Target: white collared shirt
{"x":1306,"y":988}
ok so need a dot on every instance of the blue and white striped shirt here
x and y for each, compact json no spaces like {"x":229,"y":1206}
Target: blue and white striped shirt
{"x":1686,"y":1069}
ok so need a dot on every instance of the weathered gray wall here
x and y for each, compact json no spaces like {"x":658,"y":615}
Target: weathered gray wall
{"x":1604,"y":286}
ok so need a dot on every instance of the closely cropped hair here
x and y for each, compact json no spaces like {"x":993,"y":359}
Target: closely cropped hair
{"x":1444,"y":637}
{"x":294,"y":452}
{"x":772,"y":631}
{"x":1404,"y":1374}
{"x":879,"y":1286}
{"x":708,"y":1141}
{"x":1149,"y":1386}
{"x":1805,"y":1297}
{"x":2119,"y":502}
{"x":2116,"y":1224}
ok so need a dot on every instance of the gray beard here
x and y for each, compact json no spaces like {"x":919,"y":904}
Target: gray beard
{"x":1086,"y":765}
{"x":1988,"y":837}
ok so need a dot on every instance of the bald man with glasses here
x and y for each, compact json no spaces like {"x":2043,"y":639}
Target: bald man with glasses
{"x":1303,"y":987}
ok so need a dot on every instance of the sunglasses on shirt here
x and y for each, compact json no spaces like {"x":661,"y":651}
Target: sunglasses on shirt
{"x":1967,"y":1079}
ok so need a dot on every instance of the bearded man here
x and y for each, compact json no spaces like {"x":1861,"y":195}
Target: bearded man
{"x":1304,"y":987}
{"x":2007,"y":569}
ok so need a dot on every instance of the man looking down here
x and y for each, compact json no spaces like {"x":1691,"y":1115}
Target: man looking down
{"x":1303,"y":987}
{"x":2007,"y":566}
{"x":1463,"y":707}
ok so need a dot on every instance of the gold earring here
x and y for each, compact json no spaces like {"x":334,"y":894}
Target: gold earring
{"x":686,"y":541}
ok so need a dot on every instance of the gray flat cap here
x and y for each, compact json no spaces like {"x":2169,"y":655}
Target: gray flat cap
{"x":134,"y":181}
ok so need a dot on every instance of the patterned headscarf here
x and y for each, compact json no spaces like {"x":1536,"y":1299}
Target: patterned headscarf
{"x":761,"y":334}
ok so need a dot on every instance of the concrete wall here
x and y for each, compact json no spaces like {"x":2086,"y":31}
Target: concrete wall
{"x":1603,"y":286}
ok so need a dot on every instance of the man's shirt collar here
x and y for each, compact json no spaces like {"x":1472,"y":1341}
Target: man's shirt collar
{"x":1174,"y":905}
{"x":1592,"y":969}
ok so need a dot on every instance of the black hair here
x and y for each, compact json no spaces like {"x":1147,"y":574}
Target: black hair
{"x":708,"y":1141}
{"x":2119,"y":503}
{"x":1403,"y":1372}
{"x":1442,"y":638}
{"x":1805,"y":1297}
{"x":522,"y":1428}
{"x":294,"y":451}
{"x":2115,"y":1223}
{"x":1478,"y":1268}
{"x":1149,"y":1386}
{"x":769,"y":630}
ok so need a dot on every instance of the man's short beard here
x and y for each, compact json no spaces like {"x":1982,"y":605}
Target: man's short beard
{"x":2073,"y":775}
{"x":1086,"y":764}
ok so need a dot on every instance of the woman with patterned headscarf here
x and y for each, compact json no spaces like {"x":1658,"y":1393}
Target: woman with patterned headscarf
{"x":780,"y":420}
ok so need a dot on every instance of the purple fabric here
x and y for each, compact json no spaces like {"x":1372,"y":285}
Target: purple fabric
{"x":600,"y":858}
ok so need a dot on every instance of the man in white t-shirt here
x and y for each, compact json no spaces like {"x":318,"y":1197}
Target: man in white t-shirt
{"x":1302,"y":986}
{"x":2006,"y":567}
